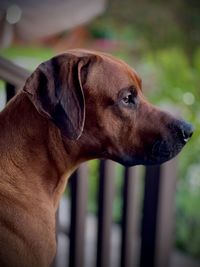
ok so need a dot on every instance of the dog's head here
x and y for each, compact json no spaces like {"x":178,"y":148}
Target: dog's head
{"x":97,"y":103}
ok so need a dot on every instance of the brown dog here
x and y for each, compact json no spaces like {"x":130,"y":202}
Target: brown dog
{"x":75,"y":107}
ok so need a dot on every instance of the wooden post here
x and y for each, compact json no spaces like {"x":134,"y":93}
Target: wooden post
{"x":166,"y":214}
{"x":130,"y":216}
{"x":79,"y":185}
{"x":106,"y":193}
{"x":150,"y":206}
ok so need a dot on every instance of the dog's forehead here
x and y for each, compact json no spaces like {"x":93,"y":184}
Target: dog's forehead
{"x":111,"y":64}
{"x":108,"y":70}
{"x":115,"y":73}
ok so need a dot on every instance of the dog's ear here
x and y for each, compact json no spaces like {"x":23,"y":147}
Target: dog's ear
{"x":55,"y":88}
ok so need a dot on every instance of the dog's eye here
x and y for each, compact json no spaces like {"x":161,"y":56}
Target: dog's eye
{"x":129,"y":99}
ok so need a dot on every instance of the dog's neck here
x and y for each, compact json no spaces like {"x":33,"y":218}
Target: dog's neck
{"x":33,"y":152}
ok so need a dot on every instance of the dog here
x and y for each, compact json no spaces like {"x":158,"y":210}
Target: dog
{"x":77,"y":106}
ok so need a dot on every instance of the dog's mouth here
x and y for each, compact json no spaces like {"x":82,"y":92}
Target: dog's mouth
{"x":164,"y":150}
{"x":167,"y":148}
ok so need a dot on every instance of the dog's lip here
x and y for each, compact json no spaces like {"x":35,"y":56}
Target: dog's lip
{"x":159,"y":147}
{"x":161,"y":150}
{"x":164,"y":150}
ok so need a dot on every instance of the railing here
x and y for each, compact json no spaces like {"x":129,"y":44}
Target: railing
{"x":157,"y":213}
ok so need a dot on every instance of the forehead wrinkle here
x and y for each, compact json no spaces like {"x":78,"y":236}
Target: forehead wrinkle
{"x":132,"y":73}
{"x":116,"y":74}
{"x":101,"y":56}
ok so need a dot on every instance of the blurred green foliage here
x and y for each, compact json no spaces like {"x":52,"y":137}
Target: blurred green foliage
{"x":178,"y":86}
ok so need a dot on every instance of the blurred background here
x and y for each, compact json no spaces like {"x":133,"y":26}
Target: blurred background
{"x":161,"y":40}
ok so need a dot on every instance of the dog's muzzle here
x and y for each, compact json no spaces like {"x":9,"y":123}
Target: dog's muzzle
{"x":165,"y":149}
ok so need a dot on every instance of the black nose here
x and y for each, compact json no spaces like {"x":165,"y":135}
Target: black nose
{"x":185,"y":131}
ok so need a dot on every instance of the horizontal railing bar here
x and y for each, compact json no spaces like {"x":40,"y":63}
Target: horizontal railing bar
{"x":12,"y":73}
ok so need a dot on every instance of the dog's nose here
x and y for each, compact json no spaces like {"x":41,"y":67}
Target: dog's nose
{"x":186,"y":131}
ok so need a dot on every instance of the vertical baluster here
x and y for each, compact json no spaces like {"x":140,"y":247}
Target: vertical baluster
{"x":79,"y":185}
{"x":105,"y":201}
{"x":150,"y":208}
{"x":10,"y":91}
{"x":130,"y":216}
{"x":166,"y":214}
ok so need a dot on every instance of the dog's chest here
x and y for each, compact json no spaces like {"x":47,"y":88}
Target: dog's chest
{"x":26,"y":238}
